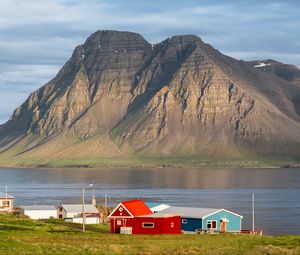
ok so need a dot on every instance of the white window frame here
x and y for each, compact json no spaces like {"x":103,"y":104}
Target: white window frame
{"x":210,"y":221}
{"x":184,"y":221}
{"x":5,"y":203}
{"x":152,"y":223}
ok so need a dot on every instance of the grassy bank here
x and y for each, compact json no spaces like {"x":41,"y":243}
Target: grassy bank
{"x":23,"y":236}
{"x":145,"y":162}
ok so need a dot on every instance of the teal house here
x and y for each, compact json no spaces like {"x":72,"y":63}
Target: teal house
{"x":206,"y":219}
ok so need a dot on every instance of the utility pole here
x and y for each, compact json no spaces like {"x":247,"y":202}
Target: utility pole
{"x":83,"y":208}
{"x":83,"y":211}
{"x":7,"y":208}
{"x":253,"y":228}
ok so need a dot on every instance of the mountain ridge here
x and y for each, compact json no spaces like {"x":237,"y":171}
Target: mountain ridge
{"x":119,"y":96}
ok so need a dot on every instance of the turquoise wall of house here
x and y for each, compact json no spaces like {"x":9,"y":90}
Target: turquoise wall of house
{"x":234,"y":224}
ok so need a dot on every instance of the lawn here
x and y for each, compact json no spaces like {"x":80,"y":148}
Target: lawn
{"x":19,"y":235}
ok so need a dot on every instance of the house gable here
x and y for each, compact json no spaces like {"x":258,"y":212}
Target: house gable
{"x":121,"y":211}
{"x":234,"y":220}
{"x":223,"y":210}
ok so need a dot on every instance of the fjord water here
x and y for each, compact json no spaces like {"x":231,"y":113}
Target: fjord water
{"x":277,"y":191}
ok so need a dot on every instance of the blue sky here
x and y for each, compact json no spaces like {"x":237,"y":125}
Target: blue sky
{"x":38,"y":37}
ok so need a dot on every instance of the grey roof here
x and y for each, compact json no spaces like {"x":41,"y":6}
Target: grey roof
{"x":158,"y":215}
{"x":3,"y":195}
{"x":39,"y":207}
{"x":188,"y":212}
{"x":77,"y":208}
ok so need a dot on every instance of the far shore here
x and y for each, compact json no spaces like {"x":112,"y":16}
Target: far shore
{"x":149,"y":163}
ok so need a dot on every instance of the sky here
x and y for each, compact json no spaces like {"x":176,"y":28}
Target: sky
{"x":38,"y":37}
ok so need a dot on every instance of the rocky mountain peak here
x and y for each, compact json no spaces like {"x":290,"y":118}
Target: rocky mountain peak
{"x":109,"y":40}
{"x":119,"y":94}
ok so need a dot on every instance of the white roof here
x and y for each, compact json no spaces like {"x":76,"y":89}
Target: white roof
{"x":4,"y":195}
{"x":191,"y":212}
{"x":159,"y":207}
{"x":77,"y":208}
{"x":39,"y":207}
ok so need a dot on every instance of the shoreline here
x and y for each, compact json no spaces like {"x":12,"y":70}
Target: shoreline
{"x":147,"y":167}
{"x":150,"y":167}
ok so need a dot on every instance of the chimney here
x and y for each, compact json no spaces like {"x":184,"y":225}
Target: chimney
{"x":94,"y":202}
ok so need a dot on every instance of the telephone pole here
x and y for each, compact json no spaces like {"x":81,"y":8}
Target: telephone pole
{"x":253,"y":228}
{"x":83,"y":211}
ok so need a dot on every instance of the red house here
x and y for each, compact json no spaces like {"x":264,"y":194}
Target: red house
{"x":135,"y":217}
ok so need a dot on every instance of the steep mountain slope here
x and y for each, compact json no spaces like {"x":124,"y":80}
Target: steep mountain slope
{"x":289,"y":73}
{"x":120,"y":96}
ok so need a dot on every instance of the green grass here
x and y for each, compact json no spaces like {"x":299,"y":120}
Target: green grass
{"x":23,"y":236}
{"x":145,"y":162}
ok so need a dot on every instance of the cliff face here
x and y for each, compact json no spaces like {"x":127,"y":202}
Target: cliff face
{"x":119,"y":95}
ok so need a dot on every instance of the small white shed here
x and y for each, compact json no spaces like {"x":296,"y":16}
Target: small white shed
{"x":6,"y":202}
{"x":37,"y":212}
{"x":88,"y":220}
{"x":75,"y":211}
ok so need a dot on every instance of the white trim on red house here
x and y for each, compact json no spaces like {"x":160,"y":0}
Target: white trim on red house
{"x":220,"y":211}
{"x":152,"y":224}
{"x":110,"y":216}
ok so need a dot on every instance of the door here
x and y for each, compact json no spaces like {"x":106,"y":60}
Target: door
{"x":223,"y":226}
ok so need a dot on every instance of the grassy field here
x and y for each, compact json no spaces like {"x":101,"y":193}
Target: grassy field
{"x":19,"y":235}
{"x":144,"y":162}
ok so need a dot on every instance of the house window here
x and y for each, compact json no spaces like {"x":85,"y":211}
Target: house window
{"x":148,"y":225}
{"x":5,"y":203}
{"x":211,"y":224}
{"x":119,"y":222}
{"x":184,"y":221}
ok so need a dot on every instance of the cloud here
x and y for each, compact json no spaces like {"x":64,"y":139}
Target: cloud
{"x":38,"y":37}
{"x":25,"y":77}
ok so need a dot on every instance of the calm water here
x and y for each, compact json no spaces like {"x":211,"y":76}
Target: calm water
{"x":277,"y":191}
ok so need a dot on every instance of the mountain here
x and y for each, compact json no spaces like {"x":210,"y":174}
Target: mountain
{"x":290,"y":73}
{"x":121,"y":97}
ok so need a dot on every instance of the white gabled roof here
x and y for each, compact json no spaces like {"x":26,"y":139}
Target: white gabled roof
{"x":191,"y":212}
{"x":4,"y":195}
{"x":39,"y":207}
{"x":77,"y":208}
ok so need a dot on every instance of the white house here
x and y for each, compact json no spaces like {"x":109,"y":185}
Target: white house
{"x":73,"y":213}
{"x":39,"y":212}
{"x":6,"y":202}
{"x":88,"y":220}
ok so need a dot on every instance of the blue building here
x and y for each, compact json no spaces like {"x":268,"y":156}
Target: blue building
{"x":207,"y":219}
